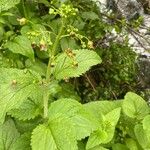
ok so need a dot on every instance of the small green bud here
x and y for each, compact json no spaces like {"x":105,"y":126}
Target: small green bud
{"x":51,"y":11}
{"x":90,"y":44}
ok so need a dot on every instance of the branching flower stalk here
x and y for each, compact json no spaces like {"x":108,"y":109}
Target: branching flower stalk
{"x":48,"y":72}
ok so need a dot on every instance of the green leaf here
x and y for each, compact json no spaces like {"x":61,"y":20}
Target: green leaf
{"x":81,"y":145}
{"x":142,"y":137}
{"x":119,"y":146}
{"x":15,"y":87}
{"x":99,"y":148}
{"x":7,"y":4}
{"x":21,"y":45}
{"x":65,"y":106}
{"x":68,"y":43}
{"x":134,"y":106}
{"x":8,"y":134}
{"x":146,"y":122}
{"x":96,"y":139}
{"x":131,"y":144}
{"x":106,"y":130}
{"x":102,"y":107}
{"x":36,"y":66}
{"x":35,"y":28}
{"x":89,"y":15}
{"x":55,"y":25}
{"x":84,"y":122}
{"x":73,"y":66}
{"x":29,"y":109}
{"x":22,"y":143}
{"x":28,"y":125}
{"x":58,"y":134}
{"x":68,"y":91}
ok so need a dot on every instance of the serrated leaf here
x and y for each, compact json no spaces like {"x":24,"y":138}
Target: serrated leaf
{"x":96,"y":139}
{"x":106,"y":129}
{"x":29,"y":109}
{"x":134,"y":106}
{"x":21,"y":45}
{"x":84,"y":122}
{"x":15,"y":87}
{"x":73,"y":66}
{"x":7,"y":4}
{"x":22,"y":143}
{"x":8,"y":134}
{"x":65,"y":106}
{"x":102,"y":107}
{"x":113,"y":116}
{"x":58,"y":134}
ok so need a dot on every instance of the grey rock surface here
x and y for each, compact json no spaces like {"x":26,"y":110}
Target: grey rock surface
{"x":139,"y":40}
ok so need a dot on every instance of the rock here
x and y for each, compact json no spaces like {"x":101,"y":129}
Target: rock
{"x":138,"y":40}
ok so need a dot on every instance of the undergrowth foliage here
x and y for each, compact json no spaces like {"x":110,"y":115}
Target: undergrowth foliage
{"x":44,"y":49}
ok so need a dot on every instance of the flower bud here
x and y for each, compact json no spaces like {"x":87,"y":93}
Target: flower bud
{"x":22,"y":21}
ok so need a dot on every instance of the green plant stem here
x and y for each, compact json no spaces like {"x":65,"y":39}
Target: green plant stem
{"x":24,"y":9}
{"x":48,"y":72}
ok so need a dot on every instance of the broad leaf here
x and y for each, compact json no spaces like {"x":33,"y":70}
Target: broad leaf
{"x":28,"y":125}
{"x":99,"y":148}
{"x":29,"y":109}
{"x":65,"y":106}
{"x":15,"y":87}
{"x":119,"y":146}
{"x":84,"y":122}
{"x":21,"y":45}
{"x":81,"y":145}
{"x":106,"y":130}
{"x":96,"y":139}
{"x":142,"y":137}
{"x":68,"y":43}
{"x":68,"y":91}
{"x":102,"y":107}
{"x":131,"y":144}
{"x":8,"y":135}
{"x":58,"y":134}
{"x":134,"y":106}
{"x":146,"y":122}
{"x":75,"y":63}
{"x":7,"y":4}
{"x":36,"y":66}
{"x":90,"y":15}
{"x":22,"y":142}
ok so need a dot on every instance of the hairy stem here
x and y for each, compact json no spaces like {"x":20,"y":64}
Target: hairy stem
{"x":48,"y":72}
